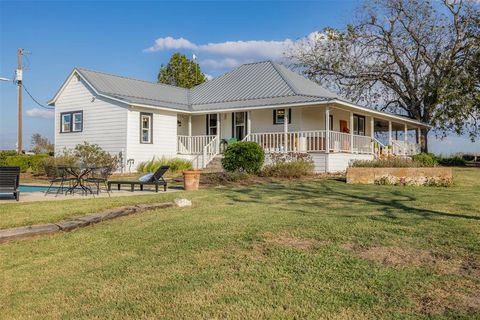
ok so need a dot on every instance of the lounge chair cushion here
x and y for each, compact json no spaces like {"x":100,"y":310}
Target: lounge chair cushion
{"x":146,"y":178}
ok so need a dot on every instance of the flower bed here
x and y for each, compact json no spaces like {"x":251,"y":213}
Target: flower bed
{"x":437,"y":176}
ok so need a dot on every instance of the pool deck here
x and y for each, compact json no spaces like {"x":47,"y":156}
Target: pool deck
{"x":40,"y":196}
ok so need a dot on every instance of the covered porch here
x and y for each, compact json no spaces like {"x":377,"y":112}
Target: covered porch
{"x":298,"y":129}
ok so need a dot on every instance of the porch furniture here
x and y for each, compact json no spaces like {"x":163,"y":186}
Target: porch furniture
{"x":78,"y":173}
{"x":99,"y":177}
{"x":58,"y":177}
{"x":10,"y":180}
{"x":156,"y":180}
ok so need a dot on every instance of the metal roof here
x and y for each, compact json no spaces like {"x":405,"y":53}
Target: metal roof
{"x":136,"y":91}
{"x":258,"y":84}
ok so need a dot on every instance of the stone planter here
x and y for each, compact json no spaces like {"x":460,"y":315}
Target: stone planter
{"x":191,"y":179}
{"x":369,"y":175}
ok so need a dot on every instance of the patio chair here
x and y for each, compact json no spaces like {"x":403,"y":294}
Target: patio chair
{"x":156,"y":180}
{"x":10,"y":180}
{"x":99,"y":177}
{"x":58,"y":177}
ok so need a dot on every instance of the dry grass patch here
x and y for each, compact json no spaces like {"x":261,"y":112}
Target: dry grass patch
{"x":451,"y":296}
{"x":409,"y":257}
{"x":288,"y":240}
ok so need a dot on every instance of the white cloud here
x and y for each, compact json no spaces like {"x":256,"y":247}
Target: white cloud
{"x":40,"y":113}
{"x":230,"y":54}
{"x":170,"y":43}
{"x":209,"y":77}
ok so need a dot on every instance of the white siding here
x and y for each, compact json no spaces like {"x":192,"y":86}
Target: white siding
{"x":319,"y":161}
{"x":339,"y":161}
{"x":164,"y":141}
{"x":103,"y":120}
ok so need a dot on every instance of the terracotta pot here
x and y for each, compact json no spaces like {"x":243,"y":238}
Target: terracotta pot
{"x":191,"y":179}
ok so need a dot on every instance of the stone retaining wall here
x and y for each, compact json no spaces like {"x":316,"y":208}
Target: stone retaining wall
{"x":369,"y":175}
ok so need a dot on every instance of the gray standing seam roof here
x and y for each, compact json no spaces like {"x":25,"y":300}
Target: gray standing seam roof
{"x":253,"y":84}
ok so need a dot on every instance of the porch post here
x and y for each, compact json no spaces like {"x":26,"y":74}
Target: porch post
{"x":249,"y":123}
{"x":389,"y":133}
{"x":189,"y":126}
{"x":372,"y":133}
{"x":327,"y":129}
{"x":218,"y":133}
{"x":285,"y":131}
{"x":351,"y":132}
{"x":189,"y":144}
{"x":405,"y":139}
{"x":419,"y":135}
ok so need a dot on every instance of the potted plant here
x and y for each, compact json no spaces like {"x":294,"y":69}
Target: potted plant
{"x":191,"y":179}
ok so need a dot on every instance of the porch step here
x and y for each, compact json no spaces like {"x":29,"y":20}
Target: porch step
{"x":215,"y":165}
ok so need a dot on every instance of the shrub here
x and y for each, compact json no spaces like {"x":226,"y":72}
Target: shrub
{"x":93,"y":155}
{"x":243,"y":156}
{"x":64,"y":160}
{"x":18,"y":161}
{"x":290,"y":169}
{"x":385,"y":163}
{"x":27,"y":162}
{"x":4,"y":154}
{"x":176,"y":165}
{"x":452,"y":161}
{"x":425,"y":159}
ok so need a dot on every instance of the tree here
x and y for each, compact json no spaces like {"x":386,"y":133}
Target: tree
{"x":409,"y":57}
{"x":181,"y":72}
{"x":41,"y":144}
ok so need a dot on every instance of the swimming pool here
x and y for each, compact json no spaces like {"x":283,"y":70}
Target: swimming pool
{"x":28,"y":188}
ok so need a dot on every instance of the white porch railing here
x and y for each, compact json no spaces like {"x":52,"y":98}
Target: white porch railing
{"x":193,"y":144}
{"x":210,"y":151}
{"x":407,"y":148}
{"x":302,"y":141}
{"x":311,"y":141}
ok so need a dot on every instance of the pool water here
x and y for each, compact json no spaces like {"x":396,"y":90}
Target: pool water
{"x":36,"y":189}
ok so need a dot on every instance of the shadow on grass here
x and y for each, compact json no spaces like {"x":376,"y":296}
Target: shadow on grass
{"x":323,"y":194}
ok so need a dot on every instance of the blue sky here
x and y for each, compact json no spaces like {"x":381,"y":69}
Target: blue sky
{"x":134,"y":38}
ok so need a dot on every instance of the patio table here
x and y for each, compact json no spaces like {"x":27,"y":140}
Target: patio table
{"x":78,"y":172}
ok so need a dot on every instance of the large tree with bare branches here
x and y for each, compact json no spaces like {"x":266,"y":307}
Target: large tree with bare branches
{"x":410,"y":57}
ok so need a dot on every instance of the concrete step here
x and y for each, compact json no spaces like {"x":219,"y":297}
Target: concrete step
{"x":215,"y":165}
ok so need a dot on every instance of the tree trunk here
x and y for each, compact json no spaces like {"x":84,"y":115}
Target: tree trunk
{"x":424,"y":140}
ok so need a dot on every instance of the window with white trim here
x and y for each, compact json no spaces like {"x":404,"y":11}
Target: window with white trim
{"x":279,"y":116}
{"x":146,"y":125}
{"x":71,"y":121}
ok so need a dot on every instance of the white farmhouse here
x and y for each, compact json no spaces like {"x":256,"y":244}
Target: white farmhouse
{"x":263,"y":102}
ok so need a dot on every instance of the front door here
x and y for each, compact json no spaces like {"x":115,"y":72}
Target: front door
{"x":239,"y":125}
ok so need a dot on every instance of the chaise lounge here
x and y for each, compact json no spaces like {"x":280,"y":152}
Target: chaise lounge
{"x":9,"y":181}
{"x":156,"y":180}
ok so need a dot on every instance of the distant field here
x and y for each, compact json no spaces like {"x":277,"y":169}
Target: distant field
{"x":305,"y":250}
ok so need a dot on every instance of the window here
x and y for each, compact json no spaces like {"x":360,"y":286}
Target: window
{"x":331,"y":123}
{"x":239,"y":123}
{"x":146,"y":127}
{"x":71,"y":121}
{"x":212,"y":124}
{"x":279,"y":116}
{"x":358,"y":125}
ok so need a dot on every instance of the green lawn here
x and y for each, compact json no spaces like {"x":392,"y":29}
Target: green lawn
{"x":312,"y":249}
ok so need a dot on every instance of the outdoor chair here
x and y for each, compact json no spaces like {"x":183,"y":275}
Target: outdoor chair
{"x":156,"y":179}
{"x":10,"y":180}
{"x":59,"y":178}
{"x":99,"y":177}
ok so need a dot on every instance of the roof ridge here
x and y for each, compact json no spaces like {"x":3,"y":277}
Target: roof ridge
{"x":287,"y":81}
{"x":129,"y":78}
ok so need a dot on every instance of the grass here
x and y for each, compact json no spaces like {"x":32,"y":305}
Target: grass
{"x":306,"y":249}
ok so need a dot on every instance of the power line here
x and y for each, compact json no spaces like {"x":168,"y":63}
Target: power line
{"x":35,"y":100}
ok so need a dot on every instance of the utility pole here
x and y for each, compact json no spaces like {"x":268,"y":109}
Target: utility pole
{"x":19,"y":78}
